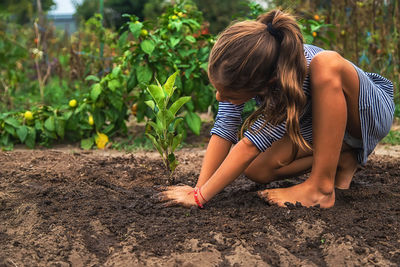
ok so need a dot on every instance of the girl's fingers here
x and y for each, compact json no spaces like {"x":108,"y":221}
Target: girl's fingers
{"x":170,"y":203}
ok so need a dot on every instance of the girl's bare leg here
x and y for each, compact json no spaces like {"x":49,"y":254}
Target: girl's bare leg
{"x":274,"y":164}
{"x":335,"y":96}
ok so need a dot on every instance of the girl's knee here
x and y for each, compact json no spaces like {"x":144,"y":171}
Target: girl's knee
{"x":264,"y":174}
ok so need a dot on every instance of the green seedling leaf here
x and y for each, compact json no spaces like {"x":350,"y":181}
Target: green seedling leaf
{"x":147,"y":46}
{"x":155,"y":143}
{"x":169,"y":84}
{"x":176,"y":142}
{"x":156,"y":127}
{"x":157,"y":93}
{"x":150,"y":103}
{"x":178,"y":104}
{"x":95,"y":92}
{"x":22,"y":133}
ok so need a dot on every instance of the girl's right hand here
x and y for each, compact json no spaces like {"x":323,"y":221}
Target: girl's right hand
{"x":178,"y":195}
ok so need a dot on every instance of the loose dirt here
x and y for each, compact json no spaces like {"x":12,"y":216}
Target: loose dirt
{"x":75,"y":208}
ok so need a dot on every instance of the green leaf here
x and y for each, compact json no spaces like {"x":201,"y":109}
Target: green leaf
{"x":22,"y":133}
{"x":174,"y":41}
{"x":178,"y":104}
{"x":144,"y":74}
{"x":31,"y":138}
{"x":13,"y":122}
{"x":156,"y":127}
{"x":49,"y":124}
{"x":169,"y":84}
{"x":135,"y":28}
{"x":92,"y":78}
{"x":150,"y":103}
{"x":109,"y":128}
{"x":165,"y":117}
{"x":172,"y":165}
{"x":157,"y":93}
{"x":176,"y":142}
{"x":194,"y":122}
{"x":9,"y":129}
{"x":87,"y":143}
{"x":190,"y":38}
{"x":67,"y":115}
{"x":116,"y":71}
{"x":155,"y":143}
{"x":60,"y":127}
{"x":114,"y":84}
{"x":95,"y":92}
{"x":147,"y":46}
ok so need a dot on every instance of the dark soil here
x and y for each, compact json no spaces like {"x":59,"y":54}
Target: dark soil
{"x":66,"y":208}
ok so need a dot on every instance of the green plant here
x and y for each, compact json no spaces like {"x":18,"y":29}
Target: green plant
{"x":153,"y":49}
{"x":393,"y":138}
{"x":164,"y":132}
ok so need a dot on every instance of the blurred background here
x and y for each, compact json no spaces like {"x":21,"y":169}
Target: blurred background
{"x":72,"y":69}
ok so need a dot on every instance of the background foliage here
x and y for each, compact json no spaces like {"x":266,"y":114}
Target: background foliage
{"x":56,"y":87}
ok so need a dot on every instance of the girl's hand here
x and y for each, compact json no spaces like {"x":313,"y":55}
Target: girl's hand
{"x":178,"y":195}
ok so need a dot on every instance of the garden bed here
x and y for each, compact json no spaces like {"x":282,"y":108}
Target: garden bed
{"x":68,"y":207}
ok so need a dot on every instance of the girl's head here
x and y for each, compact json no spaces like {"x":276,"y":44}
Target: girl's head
{"x":265,"y":58}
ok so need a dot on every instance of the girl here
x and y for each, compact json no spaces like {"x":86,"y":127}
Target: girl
{"x":317,"y":112}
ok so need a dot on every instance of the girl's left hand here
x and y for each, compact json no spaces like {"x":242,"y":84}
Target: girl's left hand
{"x":178,"y":195}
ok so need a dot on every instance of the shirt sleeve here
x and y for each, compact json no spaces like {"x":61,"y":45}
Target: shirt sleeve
{"x":228,"y":121}
{"x":263,"y":136}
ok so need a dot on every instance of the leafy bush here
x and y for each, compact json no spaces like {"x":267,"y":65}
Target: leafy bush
{"x":173,"y":42}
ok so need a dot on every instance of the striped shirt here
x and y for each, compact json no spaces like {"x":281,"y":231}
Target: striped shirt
{"x":228,"y":119}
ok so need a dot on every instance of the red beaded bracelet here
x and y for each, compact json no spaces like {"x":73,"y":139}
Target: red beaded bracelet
{"x":202,"y":195}
{"x":196,"y":198}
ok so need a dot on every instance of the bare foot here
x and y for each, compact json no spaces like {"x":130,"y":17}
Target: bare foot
{"x":346,"y":169}
{"x":304,"y":193}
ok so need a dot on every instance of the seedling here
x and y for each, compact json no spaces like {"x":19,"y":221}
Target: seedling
{"x":163,"y":132}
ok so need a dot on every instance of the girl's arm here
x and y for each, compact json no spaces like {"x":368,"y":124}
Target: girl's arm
{"x":217,"y":150}
{"x":214,"y":177}
{"x":238,"y":159}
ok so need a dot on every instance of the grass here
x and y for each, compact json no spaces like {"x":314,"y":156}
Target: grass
{"x":393,"y":138}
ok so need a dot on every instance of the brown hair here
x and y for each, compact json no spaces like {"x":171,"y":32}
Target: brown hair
{"x":250,"y":58}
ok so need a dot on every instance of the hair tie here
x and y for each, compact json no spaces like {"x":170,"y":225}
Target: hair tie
{"x":274,"y":32}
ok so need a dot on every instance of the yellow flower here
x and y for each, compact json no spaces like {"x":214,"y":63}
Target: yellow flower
{"x":144,"y":32}
{"x":101,"y":140}
{"x":91,"y":120}
{"x":173,"y":17}
{"x":72,"y":103}
{"x":28,"y":115}
{"x":314,"y":34}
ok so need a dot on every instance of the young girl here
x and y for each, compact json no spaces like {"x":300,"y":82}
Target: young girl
{"x":317,"y":111}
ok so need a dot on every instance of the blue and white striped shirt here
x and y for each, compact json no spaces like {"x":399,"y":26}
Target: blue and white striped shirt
{"x":376,"y":93}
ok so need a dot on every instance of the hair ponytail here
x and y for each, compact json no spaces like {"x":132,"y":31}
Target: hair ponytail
{"x":264,"y":57}
{"x":291,"y":70}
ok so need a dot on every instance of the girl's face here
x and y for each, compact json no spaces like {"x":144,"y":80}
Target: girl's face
{"x":232,"y":97}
